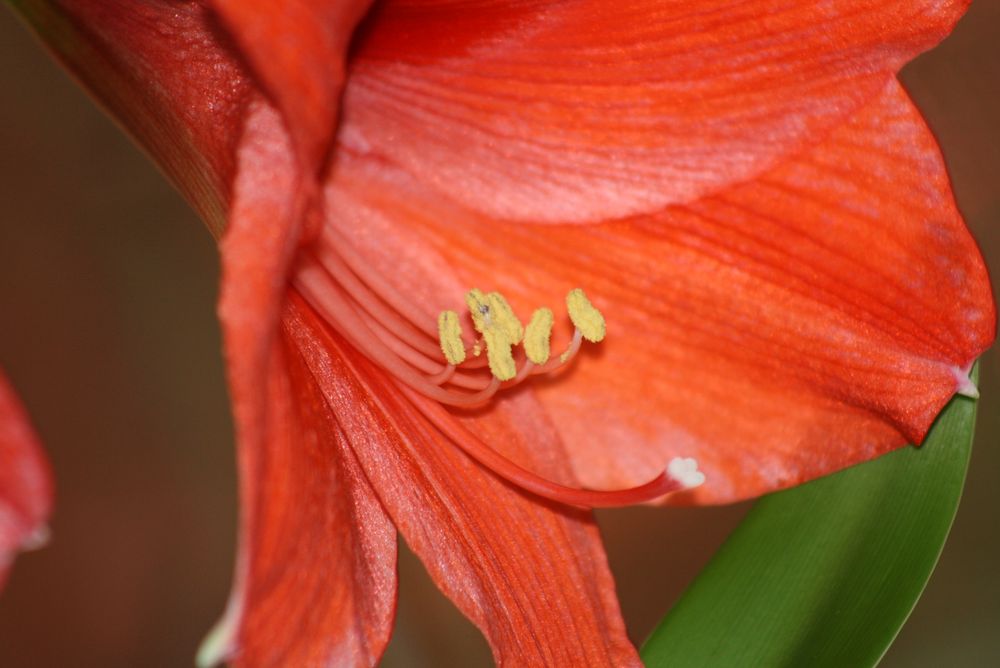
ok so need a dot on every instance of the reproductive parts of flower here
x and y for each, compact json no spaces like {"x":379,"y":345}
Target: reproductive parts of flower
{"x":381,"y":322}
{"x":500,"y":332}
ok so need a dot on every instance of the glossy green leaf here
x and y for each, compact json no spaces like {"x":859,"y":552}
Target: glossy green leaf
{"x":825,"y":574}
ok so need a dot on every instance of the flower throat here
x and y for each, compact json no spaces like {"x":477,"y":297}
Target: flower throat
{"x":392,"y":332}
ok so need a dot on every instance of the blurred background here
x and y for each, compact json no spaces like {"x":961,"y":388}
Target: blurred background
{"x":107,"y":290}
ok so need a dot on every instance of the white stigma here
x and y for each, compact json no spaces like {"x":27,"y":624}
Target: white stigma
{"x":685,"y":471}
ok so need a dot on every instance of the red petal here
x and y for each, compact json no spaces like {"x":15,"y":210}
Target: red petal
{"x":317,"y":573}
{"x":531,"y":575}
{"x":25,"y":482}
{"x":163,"y":70}
{"x":297,"y":50}
{"x":584,"y":110}
{"x":315,"y":582}
{"x":780,"y":330}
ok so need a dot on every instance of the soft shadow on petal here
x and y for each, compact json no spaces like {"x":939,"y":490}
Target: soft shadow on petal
{"x":531,"y":575}
{"x":777,"y":331}
{"x":582,"y":110}
{"x":297,"y":48}
{"x":25,"y":482}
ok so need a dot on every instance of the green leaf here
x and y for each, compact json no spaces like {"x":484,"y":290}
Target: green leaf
{"x":825,"y":574}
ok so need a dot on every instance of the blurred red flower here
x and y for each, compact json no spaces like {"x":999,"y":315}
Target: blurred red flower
{"x":743,"y":188}
{"x":25,"y":482}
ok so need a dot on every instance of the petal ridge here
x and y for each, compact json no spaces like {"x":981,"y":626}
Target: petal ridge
{"x":499,"y":119}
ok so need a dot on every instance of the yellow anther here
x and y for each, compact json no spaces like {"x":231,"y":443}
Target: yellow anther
{"x":498,"y":354}
{"x":585,"y":317}
{"x":537,"y":335}
{"x":495,"y":320}
{"x":479,"y":309}
{"x":450,"y":335}
{"x":503,"y":317}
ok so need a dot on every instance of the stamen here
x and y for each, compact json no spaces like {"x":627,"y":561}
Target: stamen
{"x":661,"y":485}
{"x":587,"y":319}
{"x":450,"y":334}
{"x":499,"y":355}
{"x":444,"y":376}
{"x":495,"y":320}
{"x":479,"y":309}
{"x":345,"y":318}
{"x":339,"y":269}
{"x":573,"y":348}
{"x":378,"y":323}
{"x":537,"y":335}
{"x":504,"y":319}
{"x":374,"y":279}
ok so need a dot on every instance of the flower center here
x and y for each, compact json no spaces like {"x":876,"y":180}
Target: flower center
{"x":392,"y":332}
{"x":500,"y":332}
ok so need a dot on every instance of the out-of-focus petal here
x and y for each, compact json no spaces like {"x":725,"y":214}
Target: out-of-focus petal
{"x":531,"y":575}
{"x":297,"y":49}
{"x":315,"y":578}
{"x":584,"y":110}
{"x":166,"y":72}
{"x":779,"y":330}
{"x":25,"y":482}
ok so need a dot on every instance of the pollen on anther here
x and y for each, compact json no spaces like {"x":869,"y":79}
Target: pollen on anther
{"x":499,"y":355}
{"x":537,"y":336}
{"x":585,"y":316}
{"x":450,"y":336}
{"x":504,"y":318}
{"x":479,"y":309}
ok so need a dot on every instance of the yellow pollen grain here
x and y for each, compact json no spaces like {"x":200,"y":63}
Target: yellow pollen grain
{"x":450,"y":336}
{"x":585,"y":317}
{"x":499,"y":355}
{"x":503,"y":317}
{"x":537,"y":336}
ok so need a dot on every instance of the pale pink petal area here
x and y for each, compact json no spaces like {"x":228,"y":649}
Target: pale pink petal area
{"x":583,"y":110}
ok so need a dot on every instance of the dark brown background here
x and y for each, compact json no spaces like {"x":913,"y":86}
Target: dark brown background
{"x":107,"y":288}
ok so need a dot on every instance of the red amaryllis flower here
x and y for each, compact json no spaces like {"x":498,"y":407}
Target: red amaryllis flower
{"x":743,"y":189}
{"x":25,"y":482}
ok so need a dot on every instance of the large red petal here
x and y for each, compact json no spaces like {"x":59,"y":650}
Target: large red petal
{"x":584,"y":109}
{"x":25,"y":481}
{"x":165,"y":71}
{"x":315,"y":580}
{"x":318,"y":556}
{"x":777,"y":331}
{"x":531,"y":575}
{"x":297,"y":50}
